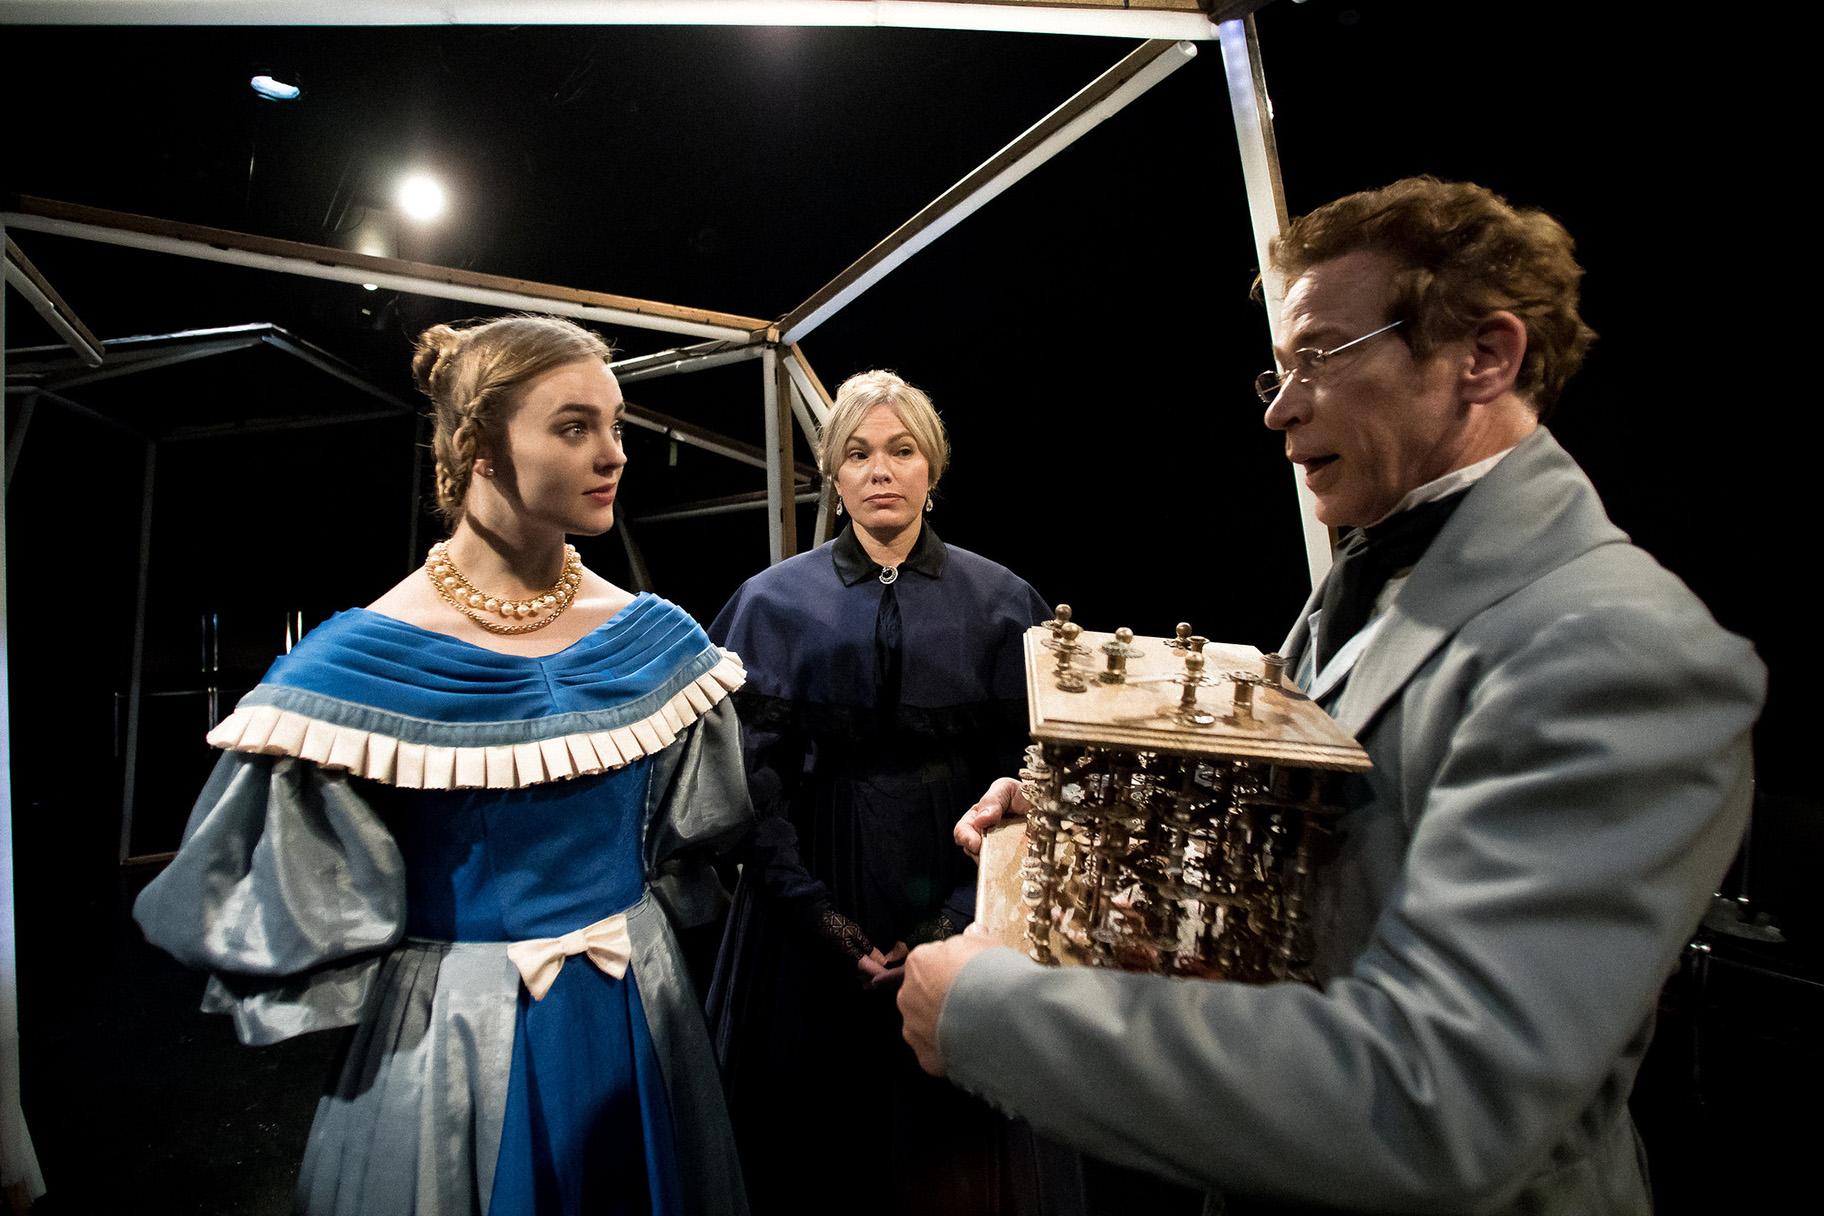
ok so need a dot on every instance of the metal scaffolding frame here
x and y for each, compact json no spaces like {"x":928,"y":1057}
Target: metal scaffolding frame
{"x":48,"y":375}
{"x":791,"y":392}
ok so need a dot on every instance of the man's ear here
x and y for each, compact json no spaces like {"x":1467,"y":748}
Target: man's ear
{"x":1497,"y":346}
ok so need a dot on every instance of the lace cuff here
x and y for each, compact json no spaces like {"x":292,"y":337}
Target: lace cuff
{"x":935,"y":929}
{"x":843,"y":934}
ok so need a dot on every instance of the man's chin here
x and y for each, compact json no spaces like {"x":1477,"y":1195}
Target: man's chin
{"x":1333,"y":514}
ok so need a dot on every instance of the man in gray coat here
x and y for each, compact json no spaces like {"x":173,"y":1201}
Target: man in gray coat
{"x":1559,"y":733}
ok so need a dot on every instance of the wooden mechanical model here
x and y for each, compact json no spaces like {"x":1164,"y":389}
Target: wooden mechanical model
{"x":1180,"y":795}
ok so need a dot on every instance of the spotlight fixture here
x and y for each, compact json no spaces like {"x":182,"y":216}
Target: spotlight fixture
{"x":273,"y":89}
{"x":421,"y":197}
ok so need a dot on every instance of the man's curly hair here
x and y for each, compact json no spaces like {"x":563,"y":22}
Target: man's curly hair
{"x":1464,"y":253}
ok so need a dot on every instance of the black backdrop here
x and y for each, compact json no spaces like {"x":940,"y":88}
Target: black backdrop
{"x":1087,"y":336}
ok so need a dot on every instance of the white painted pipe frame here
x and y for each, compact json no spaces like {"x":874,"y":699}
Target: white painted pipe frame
{"x":1097,"y":101}
{"x":1253,"y":115}
{"x":22,"y":1175}
{"x":811,"y":404}
{"x":637,"y":571}
{"x":131,"y":363}
{"x":719,"y":506}
{"x":1109,"y":22}
{"x":679,"y":431}
{"x":681,"y":361}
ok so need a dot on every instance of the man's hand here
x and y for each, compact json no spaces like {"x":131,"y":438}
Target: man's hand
{"x":929,"y":973}
{"x":1002,"y":796}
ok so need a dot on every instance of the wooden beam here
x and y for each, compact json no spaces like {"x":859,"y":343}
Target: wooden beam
{"x":325,"y":262}
{"x":781,"y":435}
{"x":53,"y":307}
{"x":811,"y":379}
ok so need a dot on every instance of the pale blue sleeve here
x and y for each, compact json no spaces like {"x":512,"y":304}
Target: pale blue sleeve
{"x":1594,"y":791}
{"x":286,"y":888}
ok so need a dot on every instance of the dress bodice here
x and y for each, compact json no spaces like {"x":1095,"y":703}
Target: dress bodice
{"x":506,"y":865}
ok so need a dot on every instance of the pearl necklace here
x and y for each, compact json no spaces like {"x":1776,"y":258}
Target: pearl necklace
{"x":472,"y":602}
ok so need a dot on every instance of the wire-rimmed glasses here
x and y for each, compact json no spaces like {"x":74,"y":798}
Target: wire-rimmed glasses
{"x":1306,"y":363}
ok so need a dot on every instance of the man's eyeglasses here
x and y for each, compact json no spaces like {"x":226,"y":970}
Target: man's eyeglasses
{"x":1306,"y":364}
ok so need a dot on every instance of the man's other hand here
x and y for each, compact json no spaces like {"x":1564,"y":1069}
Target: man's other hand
{"x":929,"y":973}
{"x":1002,"y":796}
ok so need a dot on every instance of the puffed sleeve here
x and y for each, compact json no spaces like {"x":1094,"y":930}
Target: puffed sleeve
{"x":286,"y":888}
{"x":1593,"y":791}
{"x":697,"y":807}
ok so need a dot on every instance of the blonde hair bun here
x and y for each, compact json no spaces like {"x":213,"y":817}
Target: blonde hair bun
{"x":436,"y":346}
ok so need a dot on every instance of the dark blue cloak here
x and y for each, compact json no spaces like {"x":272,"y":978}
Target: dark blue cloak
{"x":874,"y":714}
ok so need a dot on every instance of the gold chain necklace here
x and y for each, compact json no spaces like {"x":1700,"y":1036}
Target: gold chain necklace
{"x":480,"y":607}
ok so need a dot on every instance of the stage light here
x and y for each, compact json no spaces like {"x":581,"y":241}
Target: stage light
{"x":370,"y":287}
{"x":421,"y":196}
{"x":275,"y":90}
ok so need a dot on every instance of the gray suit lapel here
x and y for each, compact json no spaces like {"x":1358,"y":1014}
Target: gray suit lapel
{"x":1533,"y":512}
{"x":1300,"y":637}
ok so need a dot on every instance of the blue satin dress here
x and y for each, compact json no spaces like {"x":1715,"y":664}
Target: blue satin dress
{"x":336,"y":872}
{"x":585,"y":1085}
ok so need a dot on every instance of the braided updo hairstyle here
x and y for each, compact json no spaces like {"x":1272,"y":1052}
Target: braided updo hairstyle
{"x":473,"y":374}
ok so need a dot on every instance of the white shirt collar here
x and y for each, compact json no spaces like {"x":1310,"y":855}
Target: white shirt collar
{"x":1321,"y":684}
{"x":1450,"y":483}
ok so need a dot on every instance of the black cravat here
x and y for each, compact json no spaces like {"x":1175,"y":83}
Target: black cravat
{"x":1366,"y":559}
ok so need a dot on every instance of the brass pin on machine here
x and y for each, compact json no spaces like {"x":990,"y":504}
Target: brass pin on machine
{"x":1069,"y":679}
{"x":1188,"y":711}
{"x":1119,"y":652}
{"x":1245,"y":683}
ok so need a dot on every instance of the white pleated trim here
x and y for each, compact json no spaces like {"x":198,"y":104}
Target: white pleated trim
{"x":270,"y":731}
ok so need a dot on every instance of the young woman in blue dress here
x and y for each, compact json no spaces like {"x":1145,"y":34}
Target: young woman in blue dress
{"x":464,"y":819}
